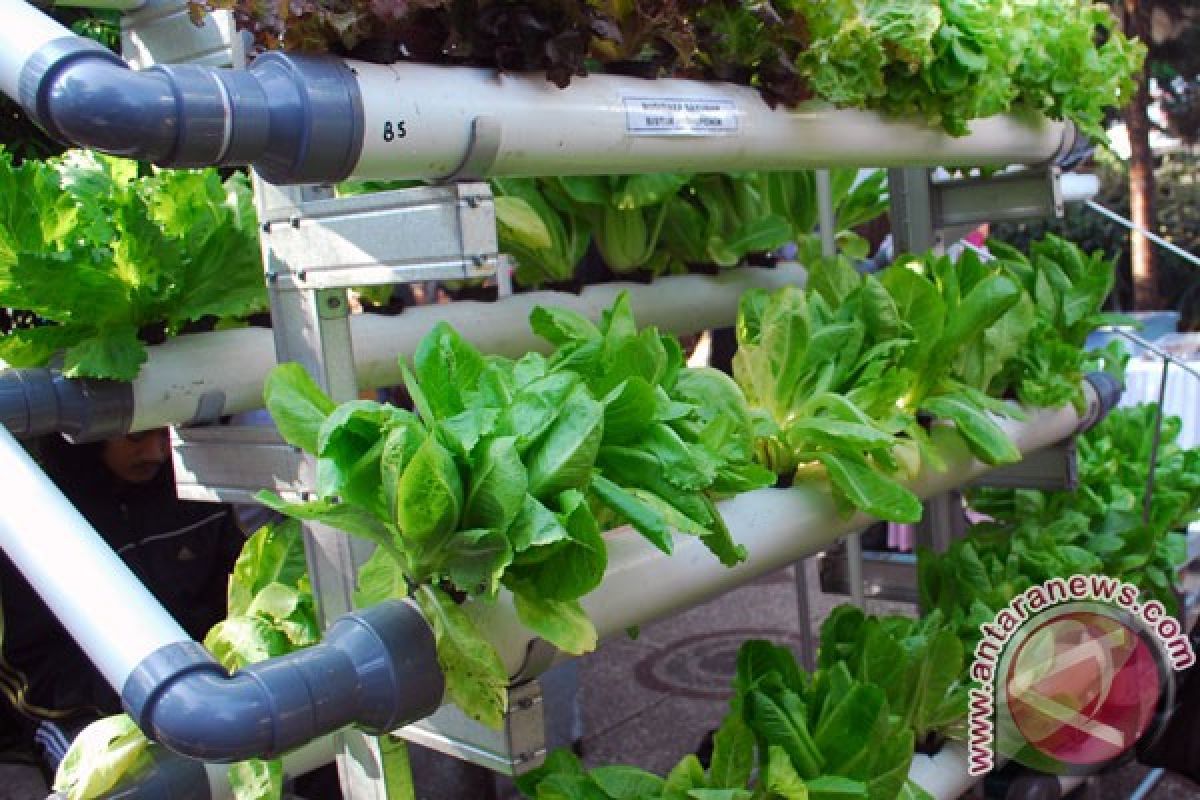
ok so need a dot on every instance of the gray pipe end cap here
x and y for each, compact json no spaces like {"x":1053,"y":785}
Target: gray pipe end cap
{"x":1108,"y":390}
{"x":28,"y":405}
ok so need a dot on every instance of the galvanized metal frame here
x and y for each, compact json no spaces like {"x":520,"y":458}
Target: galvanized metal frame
{"x":311,"y":327}
{"x":162,"y":32}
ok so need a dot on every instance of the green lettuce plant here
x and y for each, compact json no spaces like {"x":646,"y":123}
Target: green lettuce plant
{"x":831,"y":735}
{"x":845,"y":374}
{"x":1103,"y":522}
{"x":508,"y":471}
{"x":946,"y":62}
{"x":107,"y":255}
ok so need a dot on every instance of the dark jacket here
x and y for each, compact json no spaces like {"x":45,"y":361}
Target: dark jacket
{"x":182,"y":551}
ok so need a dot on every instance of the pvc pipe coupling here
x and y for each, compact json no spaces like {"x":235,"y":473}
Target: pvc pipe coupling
{"x":1107,"y":390}
{"x":376,"y":668}
{"x":38,"y":401}
{"x":297,"y":118}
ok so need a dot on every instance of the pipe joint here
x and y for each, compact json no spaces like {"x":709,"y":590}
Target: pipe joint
{"x":314,"y":117}
{"x":1106,"y":393}
{"x":297,"y":118}
{"x":375,"y":668}
{"x":38,"y":401}
{"x":84,"y":95}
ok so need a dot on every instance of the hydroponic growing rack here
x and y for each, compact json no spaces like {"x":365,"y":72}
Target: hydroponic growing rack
{"x":307,"y":121}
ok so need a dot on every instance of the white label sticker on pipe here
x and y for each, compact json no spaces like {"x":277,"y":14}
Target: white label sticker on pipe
{"x":680,"y":116}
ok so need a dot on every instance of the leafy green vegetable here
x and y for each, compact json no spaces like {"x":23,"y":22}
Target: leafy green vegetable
{"x":563,"y":457}
{"x":919,"y":664}
{"x":788,"y":736}
{"x":866,"y":489}
{"x":563,"y":622}
{"x":256,"y":779}
{"x":841,"y":374}
{"x":1066,"y":290}
{"x":107,"y":257}
{"x":100,"y":756}
{"x":505,"y":476}
{"x":475,"y":679}
{"x":665,"y":223}
{"x":429,"y":498}
{"x":1099,"y":527}
{"x":947,"y":62}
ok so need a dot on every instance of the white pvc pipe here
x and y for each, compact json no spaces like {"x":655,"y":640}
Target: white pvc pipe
{"x":777,"y":526}
{"x":180,"y":372}
{"x":1079,"y":187}
{"x":944,"y":775}
{"x":103,"y":606}
{"x":1158,"y":240}
{"x":419,"y":123}
{"x":26,"y":30}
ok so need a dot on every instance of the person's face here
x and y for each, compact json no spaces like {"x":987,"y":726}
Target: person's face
{"x":138,"y":457}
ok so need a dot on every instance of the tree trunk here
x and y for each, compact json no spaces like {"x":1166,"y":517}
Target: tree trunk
{"x":1146,"y":290}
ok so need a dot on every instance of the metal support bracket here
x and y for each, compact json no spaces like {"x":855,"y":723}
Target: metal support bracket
{"x":929,"y":214}
{"x":1053,"y":469}
{"x":161,"y":32}
{"x":312,"y":327}
{"x":913,"y":228}
{"x":943,"y":521}
{"x":428,"y":233}
{"x":885,"y":576}
{"x":230,"y":464}
{"x":516,"y":749}
{"x":962,"y":204}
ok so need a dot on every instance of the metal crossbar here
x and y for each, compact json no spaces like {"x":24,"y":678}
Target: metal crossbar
{"x":1158,"y":240}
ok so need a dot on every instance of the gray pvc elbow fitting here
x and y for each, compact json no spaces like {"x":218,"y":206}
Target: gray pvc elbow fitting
{"x":297,"y":118}
{"x":38,"y":401}
{"x":1108,"y":394}
{"x":375,"y":668}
